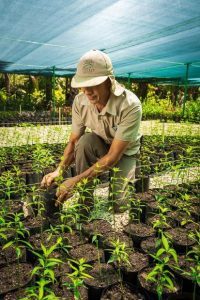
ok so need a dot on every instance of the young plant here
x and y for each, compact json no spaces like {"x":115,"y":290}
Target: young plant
{"x":42,"y":159}
{"x":119,"y":255}
{"x":85,"y":191}
{"x":95,"y":240}
{"x":47,"y":263}
{"x":20,"y":234}
{"x":135,"y":206}
{"x":40,"y":291}
{"x":162,"y":277}
{"x":77,"y":276}
{"x":194,"y":257}
{"x":161,"y":222}
{"x":34,"y":202}
{"x":7,"y":187}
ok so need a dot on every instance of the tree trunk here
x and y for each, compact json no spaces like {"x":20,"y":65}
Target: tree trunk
{"x":48,"y":90}
{"x":7,"y":84}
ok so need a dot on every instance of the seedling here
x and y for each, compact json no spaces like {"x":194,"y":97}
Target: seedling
{"x":77,"y":276}
{"x":119,"y":255}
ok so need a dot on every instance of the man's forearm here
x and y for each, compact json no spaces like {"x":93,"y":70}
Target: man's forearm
{"x":68,"y":157}
{"x":102,"y":165}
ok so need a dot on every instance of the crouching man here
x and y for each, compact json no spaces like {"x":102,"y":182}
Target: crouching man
{"x":113,"y":114}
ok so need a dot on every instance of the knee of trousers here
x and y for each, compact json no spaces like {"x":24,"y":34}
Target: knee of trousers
{"x":85,"y":140}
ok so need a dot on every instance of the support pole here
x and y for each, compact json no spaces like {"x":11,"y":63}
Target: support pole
{"x":53,"y":93}
{"x":185,"y":88}
{"x":59,"y":115}
{"x":129,"y":79}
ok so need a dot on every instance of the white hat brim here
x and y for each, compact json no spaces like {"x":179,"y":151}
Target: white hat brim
{"x":81,"y":82}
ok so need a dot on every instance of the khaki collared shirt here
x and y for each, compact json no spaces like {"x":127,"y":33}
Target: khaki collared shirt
{"x":119,"y":119}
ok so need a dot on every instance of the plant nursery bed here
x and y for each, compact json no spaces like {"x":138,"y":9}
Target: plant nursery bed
{"x":75,"y":239}
{"x":138,"y":232}
{"x":122,"y":291}
{"x":104,"y":275}
{"x":14,"y":277}
{"x":16,"y":295}
{"x":46,"y":238}
{"x":9,"y":255}
{"x":150,"y":287}
{"x":180,"y":238}
{"x":87,"y":251}
{"x":109,"y":237}
{"x":65,"y":294}
{"x":36,"y":224}
{"x":97,"y":226}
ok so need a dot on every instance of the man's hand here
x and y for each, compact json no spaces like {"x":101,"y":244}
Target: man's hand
{"x":49,"y":178}
{"x":65,"y":190}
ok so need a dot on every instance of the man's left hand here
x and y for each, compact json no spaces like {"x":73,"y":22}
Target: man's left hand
{"x":65,"y":190}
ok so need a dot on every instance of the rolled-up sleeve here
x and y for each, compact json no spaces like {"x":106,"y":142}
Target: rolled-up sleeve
{"x":78,"y":126}
{"x":128,"y":127}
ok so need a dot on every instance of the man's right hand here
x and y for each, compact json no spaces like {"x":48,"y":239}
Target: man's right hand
{"x":48,"y":179}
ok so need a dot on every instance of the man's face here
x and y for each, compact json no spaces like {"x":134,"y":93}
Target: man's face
{"x":98,"y":94}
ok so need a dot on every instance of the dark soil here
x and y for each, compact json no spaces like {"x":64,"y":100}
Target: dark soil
{"x":180,"y":236}
{"x":185,"y":266}
{"x":193,"y":226}
{"x":145,"y":197}
{"x":137,"y":261}
{"x":139,"y":230}
{"x":9,"y":233}
{"x":65,"y":294}
{"x":16,"y":206}
{"x":121,"y":292}
{"x":149,"y":246}
{"x":9,"y":255}
{"x":151,"y":286}
{"x":179,"y":216}
{"x":75,"y":239}
{"x":35,"y":225}
{"x":88,"y":252}
{"x":15,"y":295}
{"x":103,"y":277}
{"x":97,"y":227}
{"x":46,"y":238}
{"x":169,"y":222}
{"x":152,"y":207}
{"x":14,"y":276}
{"x":113,"y":236}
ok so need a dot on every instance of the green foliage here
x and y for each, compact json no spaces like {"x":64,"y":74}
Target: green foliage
{"x":40,"y":291}
{"x":42,"y":158}
{"x":77,"y":276}
{"x":119,"y":253}
{"x":161,"y":277}
{"x":47,"y":263}
{"x":37,"y":98}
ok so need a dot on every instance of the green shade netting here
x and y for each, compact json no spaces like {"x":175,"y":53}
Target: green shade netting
{"x":150,"y":39}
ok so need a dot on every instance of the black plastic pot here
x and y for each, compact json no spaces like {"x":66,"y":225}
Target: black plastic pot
{"x":98,"y":283}
{"x":49,"y":196}
{"x":138,"y":232}
{"x":142,"y":184}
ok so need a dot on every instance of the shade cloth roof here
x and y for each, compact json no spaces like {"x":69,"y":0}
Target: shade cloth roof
{"x":149,"y":39}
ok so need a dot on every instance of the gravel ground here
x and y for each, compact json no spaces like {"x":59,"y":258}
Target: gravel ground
{"x":17,"y":136}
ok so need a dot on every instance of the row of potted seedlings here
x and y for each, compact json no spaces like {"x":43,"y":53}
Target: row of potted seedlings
{"x":156,"y":155}
{"x":49,"y":253}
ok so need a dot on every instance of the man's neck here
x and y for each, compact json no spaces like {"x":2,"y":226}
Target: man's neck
{"x":101,"y":105}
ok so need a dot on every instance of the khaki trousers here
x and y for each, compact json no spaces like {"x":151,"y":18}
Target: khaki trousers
{"x":88,"y":150}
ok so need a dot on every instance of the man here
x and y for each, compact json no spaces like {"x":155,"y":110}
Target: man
{"x":113,"y":115}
